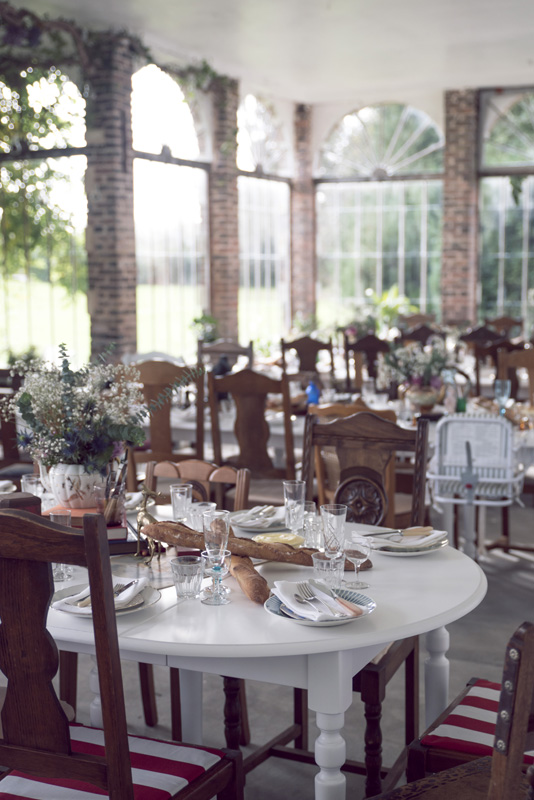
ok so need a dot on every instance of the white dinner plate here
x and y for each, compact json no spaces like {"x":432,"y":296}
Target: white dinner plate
{"x":412,"y":552}
{"x":147,"y":597}
{"x":275,"y":607}
{"x":277,"y":523}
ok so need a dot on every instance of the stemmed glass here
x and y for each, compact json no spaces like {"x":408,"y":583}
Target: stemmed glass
{"x":502,"y":391}
{"x":216,"y":532}
{"x":357,"y":550}
{"x":334,"y":516}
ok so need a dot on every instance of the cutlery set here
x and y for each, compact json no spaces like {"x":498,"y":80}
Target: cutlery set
{"x":118,"y":589}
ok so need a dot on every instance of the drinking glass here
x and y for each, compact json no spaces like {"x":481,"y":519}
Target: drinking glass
{"x":195,"y":519}
{"x":357,"y":549}
{"x":502,"y":391}
{"x":181,"y":499}
{"x":294,"y":494}
{"x":216,"y":530}
{"x":313,"y":526}
{"x":61,"y":572}
{"x":32,"y":484}
{"x":217,"y":565}
{"x":334,"y":516}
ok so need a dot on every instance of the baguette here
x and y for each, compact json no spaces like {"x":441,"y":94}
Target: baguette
{"x":250,"y":581}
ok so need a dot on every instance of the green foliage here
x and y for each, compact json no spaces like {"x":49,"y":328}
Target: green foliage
{"x":205,"y":327}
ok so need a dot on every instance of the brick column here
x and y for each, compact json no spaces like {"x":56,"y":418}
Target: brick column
{"x":303,"y":265}
{"x":459,"y":268}
{"x":110,"y":237}
{"x":223,"y":204}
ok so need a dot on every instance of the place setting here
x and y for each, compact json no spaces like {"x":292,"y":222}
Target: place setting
{"x":132,"y":596}
{"x":416,"y":541}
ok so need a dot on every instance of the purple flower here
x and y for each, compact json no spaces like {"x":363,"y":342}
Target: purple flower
{"x":436,"y":382}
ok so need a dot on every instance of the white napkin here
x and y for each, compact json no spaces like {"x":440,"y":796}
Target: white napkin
{"x":286,"y":590}
{"x":7,"y":486}
{"x":132,"y":500}
{"x":399,"y":542}
{"x":253,"y":519}
{"x":69,"y":603}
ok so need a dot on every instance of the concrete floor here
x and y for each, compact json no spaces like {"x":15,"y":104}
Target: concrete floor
{"x":477,"y":648}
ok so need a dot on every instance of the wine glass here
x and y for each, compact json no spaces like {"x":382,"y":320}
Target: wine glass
{"x":334,"y":516}
{"x":216,"y":530}
{"x":357,"y":549}
{"x":502,"y":391}
{"x":218,"y":564}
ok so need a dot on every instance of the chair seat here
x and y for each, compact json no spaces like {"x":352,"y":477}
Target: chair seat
{"x":470,"y":727}
{"x":159,"y":769}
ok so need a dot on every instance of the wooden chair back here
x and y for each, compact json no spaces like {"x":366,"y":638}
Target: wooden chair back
{"x":249,"y":392}
{"x":158,"y":378}
{"x":480,"y":333}
{"x":420,"y":334}
{"x":407,"y":321}
{"x":36,"y":734}
{"x":212,"y":351}
{"x":365,"y":445}
{"x":517,"y":359}
{"x":486,"y":353}
{"x":326,"y":461}
{"x":503,"y":325}
{"x":365,"y":349}
{"x":307,"y":350}
{"x":209,"y":481}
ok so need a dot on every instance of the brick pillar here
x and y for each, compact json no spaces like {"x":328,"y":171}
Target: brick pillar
{"x":460,"y":208}
{"x":303,"y":266}
{"x":110,"y":237}
{"x":223,"y":204}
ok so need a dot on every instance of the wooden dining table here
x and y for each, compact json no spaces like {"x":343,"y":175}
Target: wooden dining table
{"x":413,"y":595}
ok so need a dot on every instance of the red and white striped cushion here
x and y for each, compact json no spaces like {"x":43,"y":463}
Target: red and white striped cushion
{"x":159,"y":770}
{"x":470,"y":727}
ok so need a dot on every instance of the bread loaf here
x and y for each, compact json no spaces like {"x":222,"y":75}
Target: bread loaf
{"x":250,"y":581}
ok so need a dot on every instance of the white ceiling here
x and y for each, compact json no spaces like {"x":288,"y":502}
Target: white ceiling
{"x":330,"y":51}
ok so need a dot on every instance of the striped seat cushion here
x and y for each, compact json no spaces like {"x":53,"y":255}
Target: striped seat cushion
{"x":470,"y":727}
{"x":159,"y":770}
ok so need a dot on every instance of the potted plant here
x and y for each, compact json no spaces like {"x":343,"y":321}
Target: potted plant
{"x":419,"y":369}
{"x":74,"y":422}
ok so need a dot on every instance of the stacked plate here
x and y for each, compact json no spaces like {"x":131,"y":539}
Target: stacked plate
{"x":398,"y":545}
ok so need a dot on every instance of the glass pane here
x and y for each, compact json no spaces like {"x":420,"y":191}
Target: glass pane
{"x":172,"y":256}
{"x":508,"y":127}
{"x":261,"y":143}
{"x":264,"y":259}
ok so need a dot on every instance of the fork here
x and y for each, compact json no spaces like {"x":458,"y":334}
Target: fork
{"x":117,"y":589}
{"x":309,"y":595}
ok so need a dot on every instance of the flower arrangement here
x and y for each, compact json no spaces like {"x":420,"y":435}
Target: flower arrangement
{"x":414,"y":365}
{"x":85,"y":417}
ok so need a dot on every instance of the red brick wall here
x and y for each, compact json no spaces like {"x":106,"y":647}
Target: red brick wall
{"x":223,"y":205}
{"x":460,"y":208}
{"x":110,"y":228}
{"x":303,"y":266}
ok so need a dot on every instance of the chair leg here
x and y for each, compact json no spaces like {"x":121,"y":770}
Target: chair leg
{"x":300,"y":717}
{"x":505,"y":528}
{"x":244,"y":734}
{"x":232,"y":713}
{"x":411,"y":678}
{"x":148,"y":694}
{"x":373,"y":748}
{"x":68,"y":677}
{"x":176,"y":705}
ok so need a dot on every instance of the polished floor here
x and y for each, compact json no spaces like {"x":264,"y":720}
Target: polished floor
{"x":477,"y":648}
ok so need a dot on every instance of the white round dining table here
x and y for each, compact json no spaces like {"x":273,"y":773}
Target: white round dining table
{"x":413,"y":595}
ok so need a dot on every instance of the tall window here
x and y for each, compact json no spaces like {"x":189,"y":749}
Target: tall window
{"x":507,"y":205}
{"x":263,"y":223}
{"x":43,"y":214}
{"x":379,"y":210}
{"x":170,"y":208}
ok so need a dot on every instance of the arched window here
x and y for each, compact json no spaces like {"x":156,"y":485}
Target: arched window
{"x":263,"y":223}
{"x":43,"y":215}
{"x":379,"y":210}
{"x":506,"y":271}
{"x":170,"y":209}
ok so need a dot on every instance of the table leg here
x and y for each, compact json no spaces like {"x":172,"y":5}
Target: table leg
{"x":436,"y":674}
{"x":191,"y":694}
{"x":330,"y":755}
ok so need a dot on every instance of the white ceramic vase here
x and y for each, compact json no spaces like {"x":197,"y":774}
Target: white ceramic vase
{"x":72,"y":486}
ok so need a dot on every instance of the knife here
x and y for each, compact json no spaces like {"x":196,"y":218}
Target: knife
{"x":328,"y":594}
{"x":420,"y":530}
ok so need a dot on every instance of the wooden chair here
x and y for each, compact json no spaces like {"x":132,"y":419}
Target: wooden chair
{"x":365,"y":445}
{"x":209,"y":481}
{"x":249,"y":391}
{"x":365,"y":350}
{"x":38,"y":743}
{"x":480,"y":333}
{"x":486,"y":353}
{"x":327,"y":464}
{"x":487,"y":719}
{"x":504,"y":325}
{"x":211,"y":352}
{"x":420,"y":334}
{"x":307,"y":350}
{"x":407,"y":321}
{"x":158,"y":378}
{"x":13,"y":465}
{"x":517,"y":359}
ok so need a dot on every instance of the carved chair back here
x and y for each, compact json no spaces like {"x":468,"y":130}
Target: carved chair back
{"x":365,"y":445}
{"x":517,"y":359}
{"x":504,"y":325}
{"x":35,"y":728}
{"x":420,"y":334}
{"x":407,"y":321}
{"x":212,"y":351}
{"x":307,"y":350}
{"x":365,"y":349}
{"x":249,"y":391}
